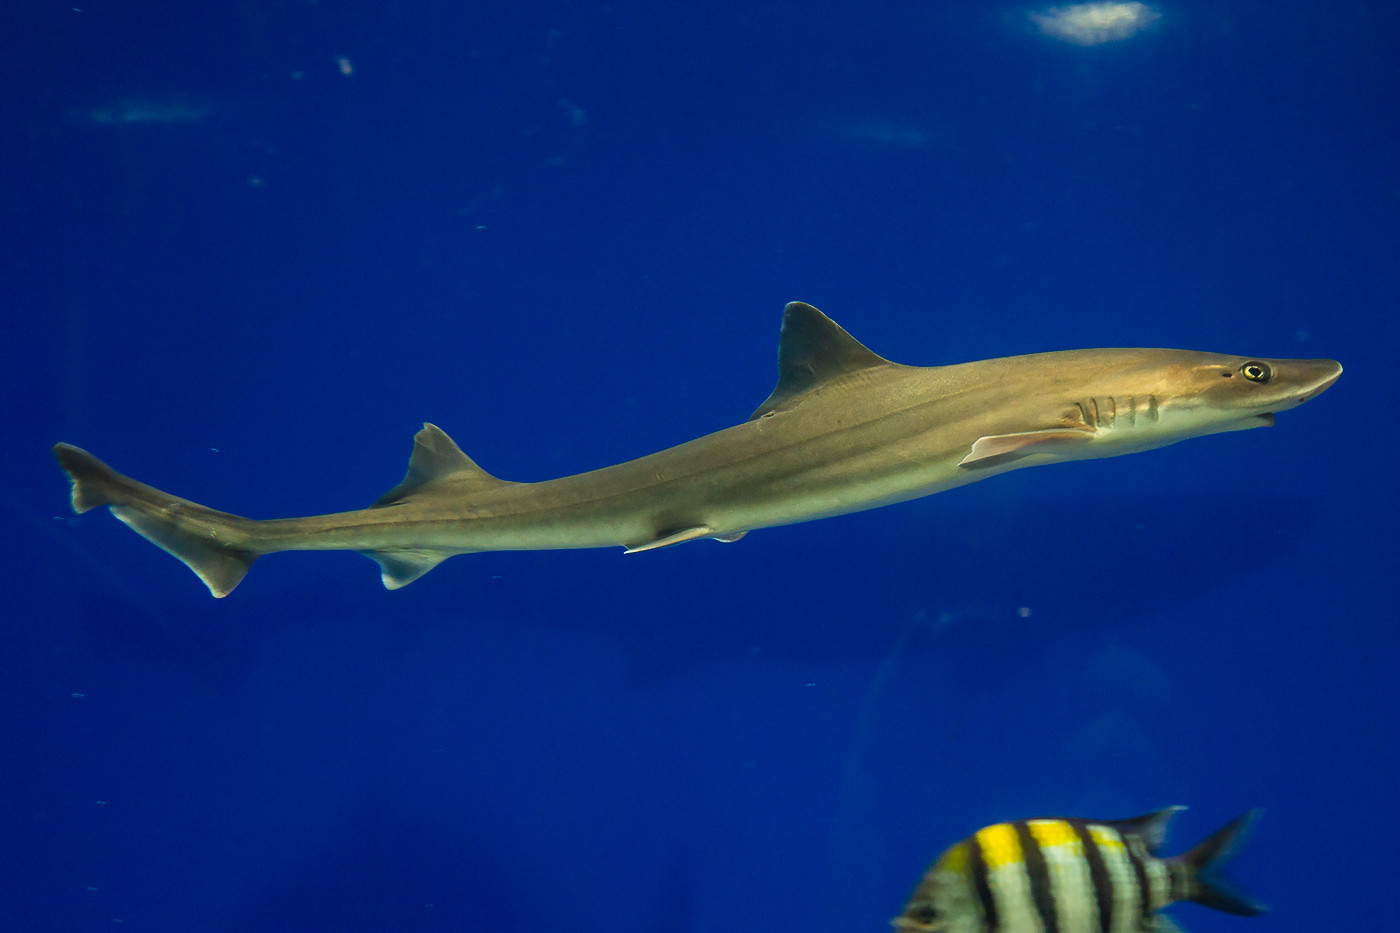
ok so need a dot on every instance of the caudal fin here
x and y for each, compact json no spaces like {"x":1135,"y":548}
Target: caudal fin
{"x":210,"y":543}
{"x":1204,"y":880}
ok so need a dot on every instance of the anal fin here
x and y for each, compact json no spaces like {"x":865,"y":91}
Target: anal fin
{"x":398,"y":567}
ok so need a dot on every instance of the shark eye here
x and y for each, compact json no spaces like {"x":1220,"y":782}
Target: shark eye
{"x":1256,"y":371}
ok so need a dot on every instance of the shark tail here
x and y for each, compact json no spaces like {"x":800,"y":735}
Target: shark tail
{"x":215,"y":545}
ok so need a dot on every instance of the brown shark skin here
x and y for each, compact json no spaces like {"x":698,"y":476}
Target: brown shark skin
{"x":845,"y":431}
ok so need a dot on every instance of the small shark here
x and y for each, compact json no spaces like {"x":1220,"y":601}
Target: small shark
{"x":844,"y":430}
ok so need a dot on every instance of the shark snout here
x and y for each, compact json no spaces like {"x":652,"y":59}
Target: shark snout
{"x":1317,"y":376}
{"x":1296,"y":382}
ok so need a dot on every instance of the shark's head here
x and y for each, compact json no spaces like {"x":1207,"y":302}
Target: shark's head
{"x":1140,"y":399}
{"x":1225,"y":393}
{"x":1110,"y":402}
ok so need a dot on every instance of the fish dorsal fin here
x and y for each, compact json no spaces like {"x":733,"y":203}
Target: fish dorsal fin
{"x":437,"y":458}
{"x":812,"y":350}
{"x":1151,"y":828}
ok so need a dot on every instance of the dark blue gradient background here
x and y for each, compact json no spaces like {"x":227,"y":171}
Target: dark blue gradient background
{"x":565,"y":232}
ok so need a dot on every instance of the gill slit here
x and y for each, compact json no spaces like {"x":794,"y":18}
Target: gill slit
{"x":1101,"y":413}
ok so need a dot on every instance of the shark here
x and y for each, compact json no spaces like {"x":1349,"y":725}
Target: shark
{"x":844,"y":430}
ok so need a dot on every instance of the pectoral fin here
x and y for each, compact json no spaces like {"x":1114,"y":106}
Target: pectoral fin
{"x":996,"y":449}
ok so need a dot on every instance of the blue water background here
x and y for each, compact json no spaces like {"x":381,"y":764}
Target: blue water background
{"x":251,"y":247}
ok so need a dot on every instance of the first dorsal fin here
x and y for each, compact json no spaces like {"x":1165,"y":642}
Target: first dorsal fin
{"x":812,"y":350}
{"x":435,"y":458}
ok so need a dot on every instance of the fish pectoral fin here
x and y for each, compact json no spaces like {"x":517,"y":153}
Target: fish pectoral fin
{"x":675,"y":537}
{"x":398,"y":567}
{"x":730,"y":539}
{"x":996,"y":449}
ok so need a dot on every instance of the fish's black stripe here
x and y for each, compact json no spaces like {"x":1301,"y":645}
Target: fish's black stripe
{"x":1039,"y":874}
{"x":1134,"y":847}
{"x":978,"y":869}
{"x":1098,"y":876}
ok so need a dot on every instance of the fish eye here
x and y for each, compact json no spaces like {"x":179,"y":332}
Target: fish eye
{"x":1256,"y":371}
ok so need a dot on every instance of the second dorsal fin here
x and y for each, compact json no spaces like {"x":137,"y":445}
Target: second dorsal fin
{"x":435,"y":458}
{"x":812,"y":350}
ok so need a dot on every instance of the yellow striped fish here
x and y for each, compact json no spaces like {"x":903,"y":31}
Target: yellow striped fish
{"x":1066,"y":875}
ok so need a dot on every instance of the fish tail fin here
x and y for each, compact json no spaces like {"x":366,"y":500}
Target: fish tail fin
{"x":1200,"y":870}
{"x":215,"y":545}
